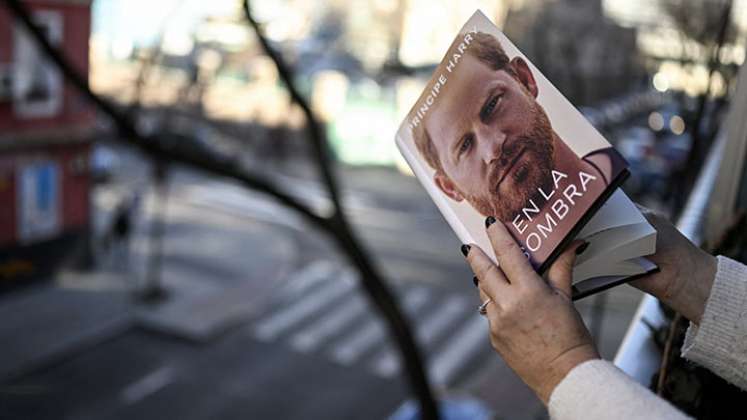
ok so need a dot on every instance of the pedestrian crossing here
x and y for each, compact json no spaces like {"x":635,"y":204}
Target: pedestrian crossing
{"x":270,"y":328}
{"x":322,"y":311}
{"x":351,"y":348}
{"x":426,"y":333}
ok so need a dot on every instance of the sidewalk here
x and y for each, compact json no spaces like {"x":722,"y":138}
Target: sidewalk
{"x":217,"y":272}
{"x":45,"y":323}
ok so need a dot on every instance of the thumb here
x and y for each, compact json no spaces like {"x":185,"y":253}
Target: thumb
{"x":560,"y":275}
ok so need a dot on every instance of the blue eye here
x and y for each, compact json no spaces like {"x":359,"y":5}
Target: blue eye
{"x":466,"y":144}
{"x":490,"y":106}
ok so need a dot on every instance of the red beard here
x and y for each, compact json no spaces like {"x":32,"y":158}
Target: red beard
{"x":528,"y":175}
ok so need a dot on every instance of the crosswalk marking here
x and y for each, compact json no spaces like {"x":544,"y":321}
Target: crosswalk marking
{"x":469,"y":340}
{"x":367,"y":337}
{"x":387,"y":364}
{"x":303,"y":280}
{"x":147,"y":385}
{"x":238,"y":201}
{"x":272,"y":326}
{"x":320,"y":309}
{"x":325,"y":292}
{"x":372,"y":334}
{"x":443,"y":317}
{"x":342,"y":316}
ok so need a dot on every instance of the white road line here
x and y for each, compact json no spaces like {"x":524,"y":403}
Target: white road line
{"x":316,"y":194}
{"x":387,"y":363}
{"x":147,"y":385}
{"x":241,"y":202}
{"x":304,"y":279}
{"x":350,"y":349}
{"x":469,"y":340}
{"x":239,"y":198}
{"x":269,"y":328}
{"x":309,"y":339}
{"x":434,"y":326}
{"x":353,"y":347}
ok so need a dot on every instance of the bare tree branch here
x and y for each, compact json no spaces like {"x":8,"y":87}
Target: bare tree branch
{"x":336,"y":226}
{"x":316,"y":129}
{"x":372,"y":282}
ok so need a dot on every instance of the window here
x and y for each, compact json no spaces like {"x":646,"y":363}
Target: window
{"x":38,"y":198}
{"x":37,"y":84}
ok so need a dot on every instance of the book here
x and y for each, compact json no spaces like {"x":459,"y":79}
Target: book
{"x":491,"y":136}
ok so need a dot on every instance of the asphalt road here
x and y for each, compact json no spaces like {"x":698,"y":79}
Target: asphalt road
{"x":265,"y":319}
{"x":309,"y":347}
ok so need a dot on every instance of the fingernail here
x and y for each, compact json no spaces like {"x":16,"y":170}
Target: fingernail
{"x":474,"y":280}
{"x":581,"y":248}
{"x":489,"y":221}
{"x":465,"y":249}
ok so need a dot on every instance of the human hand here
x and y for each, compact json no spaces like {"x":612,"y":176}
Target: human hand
{"x":686,"y":272}
{"x":533,"y":324}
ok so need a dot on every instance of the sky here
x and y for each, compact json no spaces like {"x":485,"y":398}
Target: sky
{"x":139,"y":20}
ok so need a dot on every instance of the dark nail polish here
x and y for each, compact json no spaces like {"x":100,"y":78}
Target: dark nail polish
{"x":581,"y":248}
{"x":474,"y":280}
{"x":489,"y":221}
{"x":465,"y":249}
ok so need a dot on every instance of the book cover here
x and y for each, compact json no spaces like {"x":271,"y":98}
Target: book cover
{"x":491,"y":136}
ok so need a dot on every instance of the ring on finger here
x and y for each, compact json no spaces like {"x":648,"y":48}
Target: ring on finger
{"x":483,"y":308}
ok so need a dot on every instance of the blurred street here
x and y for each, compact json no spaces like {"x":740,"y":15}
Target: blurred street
{"x":259,"y":312}
{"x":138,"y":283}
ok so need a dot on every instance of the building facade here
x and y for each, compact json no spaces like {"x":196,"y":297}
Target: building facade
{"x":45,"y":140}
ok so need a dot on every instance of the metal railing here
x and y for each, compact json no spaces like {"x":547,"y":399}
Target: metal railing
{"x":638,"y":355}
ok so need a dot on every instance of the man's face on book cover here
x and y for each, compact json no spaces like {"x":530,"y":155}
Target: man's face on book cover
{"x":492,"y":138}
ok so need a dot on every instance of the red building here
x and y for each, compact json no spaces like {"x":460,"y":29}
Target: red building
{"x":45,"y":136}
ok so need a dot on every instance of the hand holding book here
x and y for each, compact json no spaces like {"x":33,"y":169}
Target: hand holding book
{"x":533,"y":324}
{"x":686,"y":272}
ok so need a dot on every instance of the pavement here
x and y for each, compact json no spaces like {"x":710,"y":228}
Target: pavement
{"x":44,"y":324}
{"x":263,"y":318}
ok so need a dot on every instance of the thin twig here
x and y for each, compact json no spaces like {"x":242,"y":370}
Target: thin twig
{"x":336,"y":227}
{"x":372,"y":282}
{"x":667,"y":355}
{"x":316,"y":129}
{"x":155,"y":145}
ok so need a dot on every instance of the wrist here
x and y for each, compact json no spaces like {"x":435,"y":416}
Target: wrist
{"x":562,"y":366}
{"x":695,"y":289}
{"x":702,"y":285}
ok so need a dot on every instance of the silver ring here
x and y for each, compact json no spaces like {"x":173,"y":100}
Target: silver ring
{"x":483,"y":309}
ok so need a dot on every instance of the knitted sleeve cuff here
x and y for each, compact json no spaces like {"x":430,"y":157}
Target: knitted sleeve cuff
{"x":597,"y":389}
{"x":720,"y":342}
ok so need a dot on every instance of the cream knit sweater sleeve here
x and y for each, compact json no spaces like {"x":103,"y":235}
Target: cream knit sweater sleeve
{"x":598,"y":390}
{"x":720,"y":343}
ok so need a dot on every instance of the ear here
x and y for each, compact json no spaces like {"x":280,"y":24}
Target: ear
{"x":524,"y":74}
{"x":448,"y":187}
